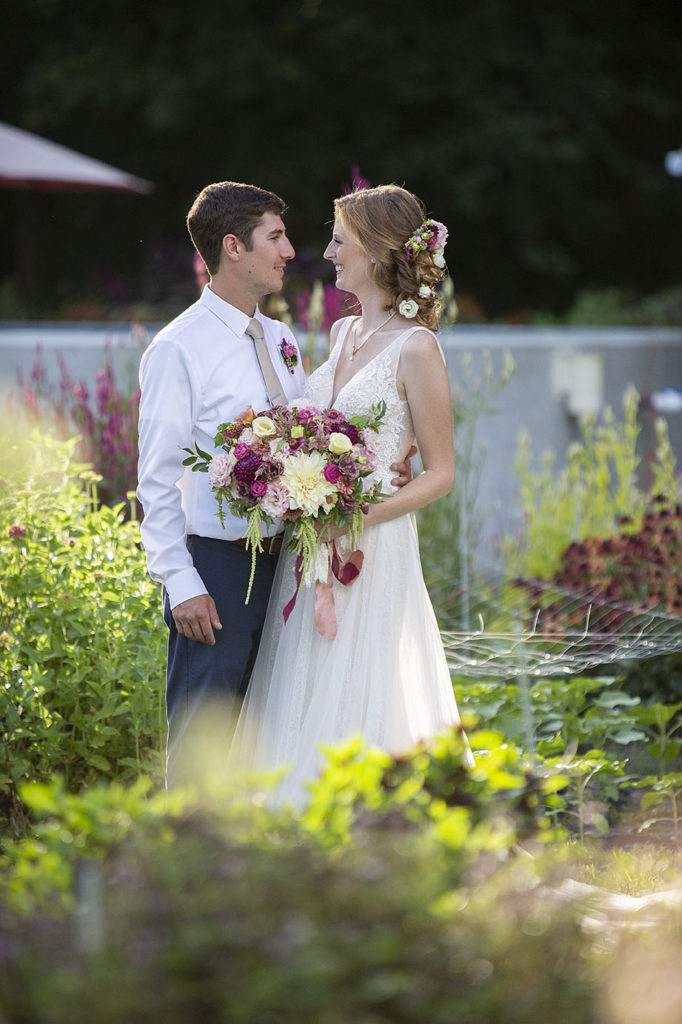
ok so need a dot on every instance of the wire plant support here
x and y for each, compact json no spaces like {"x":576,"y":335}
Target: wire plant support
{"x":553,"y":631}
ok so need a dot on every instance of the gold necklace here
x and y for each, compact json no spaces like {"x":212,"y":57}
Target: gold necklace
{"x":356,"y":348}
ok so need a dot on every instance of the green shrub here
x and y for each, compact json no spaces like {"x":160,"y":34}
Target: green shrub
{"x":186,"y":914}
{"x":82,"y":651}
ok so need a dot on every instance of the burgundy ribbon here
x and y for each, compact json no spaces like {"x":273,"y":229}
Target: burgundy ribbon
{"x":298,"y":572}
{"x":346,"y":571}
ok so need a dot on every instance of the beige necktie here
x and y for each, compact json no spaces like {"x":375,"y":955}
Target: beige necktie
{"x":273,"y":387}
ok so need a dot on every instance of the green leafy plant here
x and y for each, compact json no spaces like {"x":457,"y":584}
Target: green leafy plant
{"x":592,"y":496}
{"x":82,"y":649}
{"x":662,"y":792}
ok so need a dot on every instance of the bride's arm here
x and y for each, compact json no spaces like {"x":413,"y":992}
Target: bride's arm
{"x":427,"y":389}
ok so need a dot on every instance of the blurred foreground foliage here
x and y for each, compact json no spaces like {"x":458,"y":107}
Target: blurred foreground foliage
{"x":144,"y":909}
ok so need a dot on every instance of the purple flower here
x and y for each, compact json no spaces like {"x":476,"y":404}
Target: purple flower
{"x":331,"y":472}
{"x":349,"y":430}
{"x":241,"y":451}
{"x":258,"y":488}
{"x":348,"y":467}
{"x":289,"y":354}
{"x":245,"y":470}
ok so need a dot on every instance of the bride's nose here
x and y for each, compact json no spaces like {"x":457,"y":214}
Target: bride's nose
{"x":329,"y":252}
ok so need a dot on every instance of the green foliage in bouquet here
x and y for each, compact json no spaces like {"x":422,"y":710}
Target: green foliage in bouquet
{"x":82,"y":640}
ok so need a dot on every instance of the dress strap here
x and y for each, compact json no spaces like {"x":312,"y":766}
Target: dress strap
{"x":402,"y":338}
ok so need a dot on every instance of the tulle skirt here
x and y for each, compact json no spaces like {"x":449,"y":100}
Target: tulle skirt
{"x":383,"y":677}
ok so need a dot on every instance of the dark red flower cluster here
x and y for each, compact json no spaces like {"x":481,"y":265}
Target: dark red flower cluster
{"x":616,"y":576}
{"x":245,"y":469}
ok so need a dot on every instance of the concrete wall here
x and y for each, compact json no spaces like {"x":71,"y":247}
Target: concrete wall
{"x":560,"y":374}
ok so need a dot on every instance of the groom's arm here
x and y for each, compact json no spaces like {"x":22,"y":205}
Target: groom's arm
{"x":165,"y":427}
{"x":403,"y":469}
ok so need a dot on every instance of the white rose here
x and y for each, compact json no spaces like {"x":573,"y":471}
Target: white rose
{"x":263,"y":426}
{"x":424,"y":291}
{"x":408,"y":308}
{"x":438,"y":259}
{"x":339,"y":444}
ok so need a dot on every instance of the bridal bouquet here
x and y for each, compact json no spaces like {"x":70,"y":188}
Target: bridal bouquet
{"x":295,"y":463}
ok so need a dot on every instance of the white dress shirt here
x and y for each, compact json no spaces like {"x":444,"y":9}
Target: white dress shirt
{"x":201,"y":370}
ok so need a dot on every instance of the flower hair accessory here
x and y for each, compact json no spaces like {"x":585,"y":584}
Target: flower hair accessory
{"x":408,"y":308}
{"x":289,"y":354}
{"x":430,"y":237}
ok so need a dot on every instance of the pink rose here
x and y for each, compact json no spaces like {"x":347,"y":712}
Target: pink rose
{"x":331,"y":472}
{"x":240,"y":451}
{"x":258,"y":488}
{"x":276,"y":501}
{"x":220,"y":469}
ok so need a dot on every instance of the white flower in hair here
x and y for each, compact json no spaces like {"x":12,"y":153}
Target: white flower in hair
{"x":438,"y":259}
{"x":408,"y":308}
{"x":424,"y":291}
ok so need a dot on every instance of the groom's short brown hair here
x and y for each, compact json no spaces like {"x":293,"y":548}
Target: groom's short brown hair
{"x":227,"y":208}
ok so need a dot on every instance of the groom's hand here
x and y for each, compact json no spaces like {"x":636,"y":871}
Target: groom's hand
{"x":197,"y":618}
{"x":403,"y":469}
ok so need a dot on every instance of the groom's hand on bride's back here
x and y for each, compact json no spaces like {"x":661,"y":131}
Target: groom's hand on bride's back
{"x":403,"y":469}
{"x":197,"y":618}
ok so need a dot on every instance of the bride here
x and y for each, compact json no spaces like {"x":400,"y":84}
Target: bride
{"x":384,"y":674}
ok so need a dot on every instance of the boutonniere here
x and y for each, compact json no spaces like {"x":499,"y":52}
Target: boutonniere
{"x":289,"y":354}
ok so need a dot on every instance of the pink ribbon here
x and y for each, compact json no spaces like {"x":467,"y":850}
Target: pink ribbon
{"x":346,"y":572}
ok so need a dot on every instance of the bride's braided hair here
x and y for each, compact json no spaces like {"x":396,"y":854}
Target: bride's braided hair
{"x":382,"y":220}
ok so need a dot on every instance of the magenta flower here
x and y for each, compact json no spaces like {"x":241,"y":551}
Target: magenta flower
{"x":331,"y":472}
{"x":289,"y":354}
{"x":258,"y":488}
{"x":241,"y":450}
{"x":16,"y":532}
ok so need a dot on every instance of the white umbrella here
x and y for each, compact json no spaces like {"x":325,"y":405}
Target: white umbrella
{"x":29,"y":162}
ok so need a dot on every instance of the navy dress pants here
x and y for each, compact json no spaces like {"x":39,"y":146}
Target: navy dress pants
{"x":205,"y":683}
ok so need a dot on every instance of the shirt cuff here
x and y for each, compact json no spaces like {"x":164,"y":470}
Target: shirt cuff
{"x":183,"y":585}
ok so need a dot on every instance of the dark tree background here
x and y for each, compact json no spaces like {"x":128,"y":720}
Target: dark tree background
{"x":537,"y":131}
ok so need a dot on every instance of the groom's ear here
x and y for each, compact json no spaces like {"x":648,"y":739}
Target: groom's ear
{"x":232,"y":246}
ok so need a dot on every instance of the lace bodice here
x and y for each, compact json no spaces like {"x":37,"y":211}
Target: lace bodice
{"x":371,"y":384}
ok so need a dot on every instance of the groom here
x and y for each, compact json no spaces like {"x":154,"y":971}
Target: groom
{"x":202,"y":370}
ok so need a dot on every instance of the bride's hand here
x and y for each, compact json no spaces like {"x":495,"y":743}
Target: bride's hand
{"x":403,"y":469}
{"x":329,"y":531}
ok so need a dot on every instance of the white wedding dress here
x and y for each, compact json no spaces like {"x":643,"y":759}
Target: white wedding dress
{"x":384,"y":676}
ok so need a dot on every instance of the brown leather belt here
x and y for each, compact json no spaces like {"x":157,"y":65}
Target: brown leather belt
{"x":271,"y":545}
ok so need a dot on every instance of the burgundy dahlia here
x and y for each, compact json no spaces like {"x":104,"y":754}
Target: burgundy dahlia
{"x":245,"y":470}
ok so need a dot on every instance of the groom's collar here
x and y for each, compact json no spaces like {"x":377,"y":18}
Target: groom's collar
{"x":229,"y":315}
